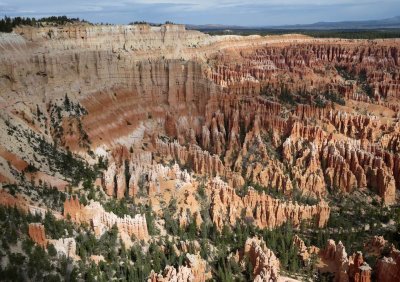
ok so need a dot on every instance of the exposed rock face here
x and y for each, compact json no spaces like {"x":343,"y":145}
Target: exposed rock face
{"x":307,"y":167}
{"x":359,"y":270}
{"x":375,"y":245}
{"x":200,"y":161}
{"x":265,"y":264}
{"x":72,"y":209}
{"x":130,"y":172}
{"x":354,"y":125}
{"x":286,"y":113}
{"x":352,"y":268}
{"x":262,"y":64}
{"x":140,"y":82}
{"x":97,"y":259}
{"x":388,"y":268}
{"x":194,"y":271}
{"x":64,"y":246}
{"x":183,"y":274}
{"x":305,"y":252}
{"x":349,"y":166}
{"x":198,"y":267}
{"x":262,"y":209}
{"x":37,"y":234}
{"x":8,"y":200}
{"x":124,"y":171}
{"x":101,"y":221}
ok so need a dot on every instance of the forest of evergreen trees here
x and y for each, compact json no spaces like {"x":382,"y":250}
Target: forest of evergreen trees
{"x":7,"y":23}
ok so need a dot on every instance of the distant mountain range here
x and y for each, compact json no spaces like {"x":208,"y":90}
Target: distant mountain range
{"x":368,"y":24}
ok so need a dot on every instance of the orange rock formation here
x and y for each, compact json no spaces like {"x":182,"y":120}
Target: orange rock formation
{"x":265,"y":264}
{"x":305,"y":252}
{"x":388,"y":268}
{"x":63,"y":246}
{"x":101,"y":221}
{"x":352,"y":268}
{"x":37,"y":234}
{"x":263,"y":210}
{"x":195,"y":271}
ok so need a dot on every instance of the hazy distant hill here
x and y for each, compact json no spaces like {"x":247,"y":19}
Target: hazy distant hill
{"x":370,"y":24}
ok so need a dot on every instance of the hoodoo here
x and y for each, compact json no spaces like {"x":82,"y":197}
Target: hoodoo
{"x":158,"y":153}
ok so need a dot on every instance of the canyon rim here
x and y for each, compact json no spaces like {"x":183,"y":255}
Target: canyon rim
{"x":147,"y":152}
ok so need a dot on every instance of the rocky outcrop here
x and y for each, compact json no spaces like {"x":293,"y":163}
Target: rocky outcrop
{"x":352,"y":268}
{"x":265,"y":264}
{"x":199,"y":268}
{"x":37,"y":234}
{"x":97,"y":258}
{"x":101,"y":221}
{"x":303,"y":157}
{"x":375,"y":245}
{"x":183,"y":274}
{"x":202,"y":162}
{"x":8,"y":200}
{"x":305,"y":112}
{"x":258,"y":160}
{"x":169,"y":108}
{"x":64,"y":246}
{"x":359,"y":270}
{"x":355,"y":126}
{"x":388,"y":268}
{"x":124,"y":171}
{"x":194,"y":271}
{"x":307,"y":64}
{"x":261,"y":209}
{"x":137,"y":81}
{"x":305,"y":252}
{"x":348,"y":167}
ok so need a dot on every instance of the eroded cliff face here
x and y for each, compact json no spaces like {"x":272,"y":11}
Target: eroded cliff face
{"x":102,"y":221}
{"x":388,"y":268}
{"x":37,"y":234}
{"x":64,"y":246}
{"x":194,"y":270}
{"x":226,"y":128}
{"x":265,"y":264}
{"x":95,"y":88}
{"x":352,"y":268}
{"x":266,"y":212}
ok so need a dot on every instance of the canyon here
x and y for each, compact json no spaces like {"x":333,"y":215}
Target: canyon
{"x":147,"y":128}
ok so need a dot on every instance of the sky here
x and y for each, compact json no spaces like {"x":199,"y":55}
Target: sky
{"x":227,"y":12}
